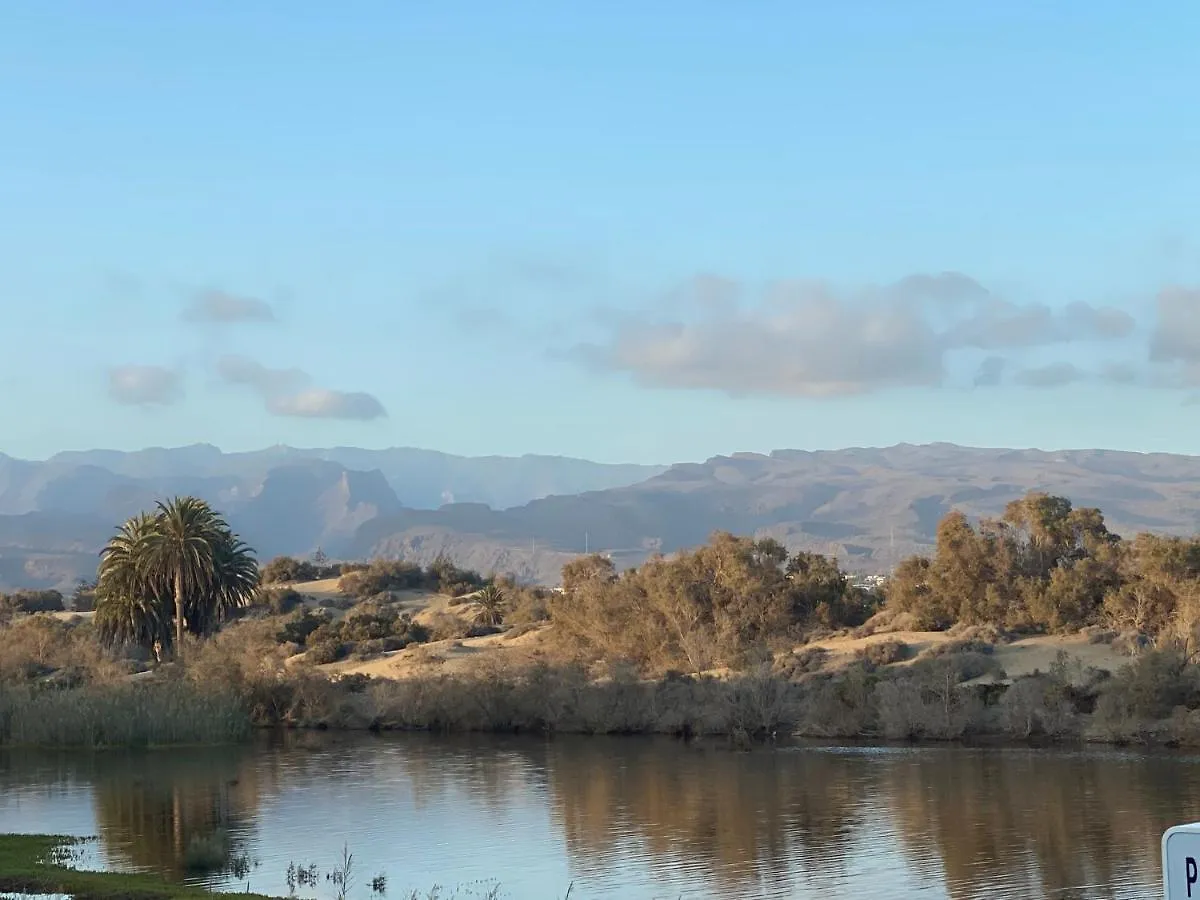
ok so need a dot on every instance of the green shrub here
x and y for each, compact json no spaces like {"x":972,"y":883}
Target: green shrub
{"x":302,"y":627}
{"x":281,"y":601}
{"x":29,"y":601}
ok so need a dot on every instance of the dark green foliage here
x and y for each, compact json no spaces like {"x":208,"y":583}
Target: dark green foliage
{"x":364,"y":631}
{"x":300,"y":628}
{"x":285,"y":569}
{"x":179,"y":566}
{"x":29,"y":601}
{"x":281,"y":601}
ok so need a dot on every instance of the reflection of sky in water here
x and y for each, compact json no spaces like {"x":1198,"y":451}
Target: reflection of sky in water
{"x":632,"y":818}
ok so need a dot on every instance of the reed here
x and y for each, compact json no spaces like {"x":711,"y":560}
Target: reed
{"x":121,"y":715}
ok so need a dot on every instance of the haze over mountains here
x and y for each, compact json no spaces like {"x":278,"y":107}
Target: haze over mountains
{"x":528,"y":515}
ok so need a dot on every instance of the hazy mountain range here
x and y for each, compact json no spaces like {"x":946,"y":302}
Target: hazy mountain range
{"x":528,"y":515}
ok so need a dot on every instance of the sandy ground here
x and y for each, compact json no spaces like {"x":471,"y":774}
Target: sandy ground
{"x":448,"y":656}
{"x":1018,"y":658}
{"x":1022,"y":657}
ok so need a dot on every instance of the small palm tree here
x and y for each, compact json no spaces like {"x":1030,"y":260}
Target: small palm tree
{"x":490,"y":604}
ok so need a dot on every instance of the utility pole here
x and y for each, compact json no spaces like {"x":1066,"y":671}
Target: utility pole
{"x":585,"y":543}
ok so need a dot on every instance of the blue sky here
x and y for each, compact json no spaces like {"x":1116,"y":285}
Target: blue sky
{"x":643,"y":232}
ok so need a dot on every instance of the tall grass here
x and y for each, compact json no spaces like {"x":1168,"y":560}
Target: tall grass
{"x":121,"y":715}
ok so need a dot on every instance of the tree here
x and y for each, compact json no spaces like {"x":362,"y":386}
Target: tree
{"x":234,"y":584}
{"x":180,"y":566}
{"x":182,"y":549}
{"x":491,"y":604}
{"x":131,"y":606}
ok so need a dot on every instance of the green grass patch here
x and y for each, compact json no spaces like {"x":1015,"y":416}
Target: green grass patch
{"x":40,"y":864}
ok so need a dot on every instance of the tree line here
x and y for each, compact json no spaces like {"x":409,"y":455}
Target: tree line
{"x":1043,"y":565}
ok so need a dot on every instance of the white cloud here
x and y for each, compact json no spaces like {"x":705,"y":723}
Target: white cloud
{"x":144,"y":385}
{"x":807,"y":339}
{"x":319,"y":403}
{"x":286,"y":392}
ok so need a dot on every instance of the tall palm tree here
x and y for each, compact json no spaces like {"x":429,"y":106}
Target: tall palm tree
{"x":180,"y":559}
{"x":181,"y":549}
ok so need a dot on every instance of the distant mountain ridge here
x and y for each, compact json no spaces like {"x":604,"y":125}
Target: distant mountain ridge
{"x":528,"y":515}
{"x":55,"y":514}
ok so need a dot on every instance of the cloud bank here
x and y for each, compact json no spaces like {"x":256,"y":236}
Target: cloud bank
{"x":808,"y":339}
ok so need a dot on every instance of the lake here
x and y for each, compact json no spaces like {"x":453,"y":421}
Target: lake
{"x":631,"y":818}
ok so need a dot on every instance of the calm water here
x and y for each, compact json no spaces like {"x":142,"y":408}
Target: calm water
{"x":628,"y":818}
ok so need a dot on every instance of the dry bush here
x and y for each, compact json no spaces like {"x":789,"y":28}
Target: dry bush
{"x":1098,"y":634}
{"x":445,"y":626}
{"x":966,"y":664}
{"x":885,"y":653}
{"x":527,"y":606}
{"x":974,"y":636}
{"x":1132,"y":643}
{"x":928,"y":704}
{"x":1038,"y":705}
{"x":1133,"y":703}
{"x":840,"y":705}
{"x":888,"y":620}
{"x":801,"y":662}
{"x":38,"y":646}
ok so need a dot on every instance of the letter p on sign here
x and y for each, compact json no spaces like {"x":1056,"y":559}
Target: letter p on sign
{"x":1181,"y":862}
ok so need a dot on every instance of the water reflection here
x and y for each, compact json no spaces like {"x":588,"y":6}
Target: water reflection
{"x":627,"y":817}
{"x":184,"y":814}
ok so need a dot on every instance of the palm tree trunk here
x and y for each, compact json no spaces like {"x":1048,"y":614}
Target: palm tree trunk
{"x":178,"y":610}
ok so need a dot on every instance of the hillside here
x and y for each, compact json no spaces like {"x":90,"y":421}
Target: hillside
{"x":869,"y":507}
{"x":55,"y":514}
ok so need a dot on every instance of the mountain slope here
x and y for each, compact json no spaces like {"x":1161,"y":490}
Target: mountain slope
{"x":55,"y":514}
{"x":869,"y":507}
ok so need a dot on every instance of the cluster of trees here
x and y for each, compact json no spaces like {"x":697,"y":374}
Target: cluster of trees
{"x":177,"y":570}
{"x":30,"y":601}
{"x":733,"y":598}
{"x":1045,"y":565}
{"x":289,"y":570}
{"x":382,"y":576}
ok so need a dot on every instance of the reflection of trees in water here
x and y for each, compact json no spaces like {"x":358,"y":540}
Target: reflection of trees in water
{"x":483,"y":770}
{"x":1038,"y":823}
{"x":740,"y":818}
{"x":1016,"y":824}
{"x":176,"y":811}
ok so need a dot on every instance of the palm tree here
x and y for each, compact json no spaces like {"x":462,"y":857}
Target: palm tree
{"x":181,"y":549}
{"x":131,"y":608}
{"x":490,"y":603}
{"x":234,"y":584}
{"x":182,"y":556}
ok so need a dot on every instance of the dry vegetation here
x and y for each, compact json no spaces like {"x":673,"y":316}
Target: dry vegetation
{"x":1050,"y":629}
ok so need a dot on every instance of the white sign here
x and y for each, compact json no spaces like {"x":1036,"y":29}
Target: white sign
{"x":1181,"y":862}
